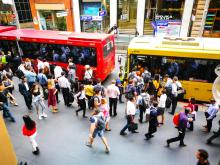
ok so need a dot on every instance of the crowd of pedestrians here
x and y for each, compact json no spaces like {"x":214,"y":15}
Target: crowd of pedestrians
{"x":147,"y":95}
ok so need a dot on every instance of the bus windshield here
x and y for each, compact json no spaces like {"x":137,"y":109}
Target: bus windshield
{"x":185,"y":68}
{"x":59,"y":53}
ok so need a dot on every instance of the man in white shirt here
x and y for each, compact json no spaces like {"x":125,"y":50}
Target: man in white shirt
{"x":130,"y":112}
{"x":162,"y":106}
{"x":175,"y":85}
{"x":88,"y":74}
{"x":143,"y":102}
{"x":40,"y":64}
{"x":113,"y":93}
{"x":57,"y":72}
{"x":65,"y":86}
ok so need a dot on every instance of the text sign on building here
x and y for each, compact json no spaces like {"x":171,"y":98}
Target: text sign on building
{"x":62,"y":14}
{"x":85,"y":18}
{"x":163,"y":17}
{"x":96,"y":18}
{"x":102,"y":13}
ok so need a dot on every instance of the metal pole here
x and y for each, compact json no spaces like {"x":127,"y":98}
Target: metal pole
{"x":16,"y":14}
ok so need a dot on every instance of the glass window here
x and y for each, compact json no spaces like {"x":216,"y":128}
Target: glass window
{"x":108,"y":48}
{"x":11,"y":46}
{"x":127,"y":15}
{"x":24,"y":11}
{"x":60,"y":53}
{"x":212,"y":22}
{"x":184,"y":68}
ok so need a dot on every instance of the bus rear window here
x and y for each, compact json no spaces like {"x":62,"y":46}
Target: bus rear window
{"x":108,"y":48}
{"x":60,"y":53}
{"x":185,"y":68}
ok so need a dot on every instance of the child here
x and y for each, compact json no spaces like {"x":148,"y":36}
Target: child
{"x":29,"y":130}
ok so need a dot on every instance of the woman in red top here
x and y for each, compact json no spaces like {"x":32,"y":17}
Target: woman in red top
{"x":29,"y":130}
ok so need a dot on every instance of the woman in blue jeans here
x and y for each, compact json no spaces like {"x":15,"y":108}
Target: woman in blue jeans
{"x":97,"y":128}
{"x":4,"y":105}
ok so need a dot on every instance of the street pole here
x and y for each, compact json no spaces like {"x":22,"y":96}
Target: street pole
{"x":16,"y":14}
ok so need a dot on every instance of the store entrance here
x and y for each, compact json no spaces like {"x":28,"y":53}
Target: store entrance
{"x":127,"y":16}
{"x":50,"y":20}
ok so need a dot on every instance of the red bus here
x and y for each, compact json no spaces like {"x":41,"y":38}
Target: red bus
{"x":96,"y":50}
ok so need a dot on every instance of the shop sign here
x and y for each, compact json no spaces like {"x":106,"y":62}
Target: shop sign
{"x":167,"y":28}
{"x":97,"y":18}
{"x":85,"y":18}
{"x":62,"y":14}
{"x":163,"y":17}
{"x":102,"y":13}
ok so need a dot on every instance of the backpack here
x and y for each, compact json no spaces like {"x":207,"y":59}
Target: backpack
{"x":146,"y":77}
{"x":91,"y":101}
{"x":153,"y":111}
{"x":42,"y":80}
{"x":101,"y":124}
{"x":144,"y":104}
{"x":19,"y":73}
{"x":129,"y":91}
{"x":131,"y":76}
{"x":71,"y":97}
{"x":176,"y":119}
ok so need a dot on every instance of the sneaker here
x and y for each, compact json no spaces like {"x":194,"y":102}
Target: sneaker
{"x":123,"y":133}
{"x":12,"y":120}
{"x":168,"y":144}
{"x":208,"y":142}
{"x":44,"y":115}
{"x":107,"y":150}
{"x":40,"y":117}
{"x":182,"y":145}
{"x":88,"y":144}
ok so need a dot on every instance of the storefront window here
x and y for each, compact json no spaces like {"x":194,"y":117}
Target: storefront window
{"x":6,"y":15}
{"x":95,"y":15}
{"x":52,"y":20}
{"x":167,"y":12}
{"x":212,"y":23}
{"x":127,"y":15}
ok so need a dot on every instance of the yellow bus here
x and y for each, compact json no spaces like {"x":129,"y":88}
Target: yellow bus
{"x":193,"y":60}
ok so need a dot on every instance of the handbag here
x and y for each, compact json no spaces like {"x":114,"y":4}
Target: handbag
{"x":133,"y":127}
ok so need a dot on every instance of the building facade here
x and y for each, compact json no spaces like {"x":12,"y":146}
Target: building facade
{"x":52,"y":14}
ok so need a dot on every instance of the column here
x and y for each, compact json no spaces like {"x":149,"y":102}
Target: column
{"x":186,"y":18}
{"x":113,"y":12}
{"x":140,"y":16}
{"x":76,"y":12}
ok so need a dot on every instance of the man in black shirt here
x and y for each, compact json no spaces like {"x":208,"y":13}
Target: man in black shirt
{"x":202,"y":156}
{"x":215,"y":135}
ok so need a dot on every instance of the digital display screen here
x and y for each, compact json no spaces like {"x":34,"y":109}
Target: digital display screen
{"x":90,"y":8}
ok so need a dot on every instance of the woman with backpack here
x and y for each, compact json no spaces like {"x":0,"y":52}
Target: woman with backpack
{"x":29,"y":130}
{"x":97,"y":128}
{"x":81,"y":100}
